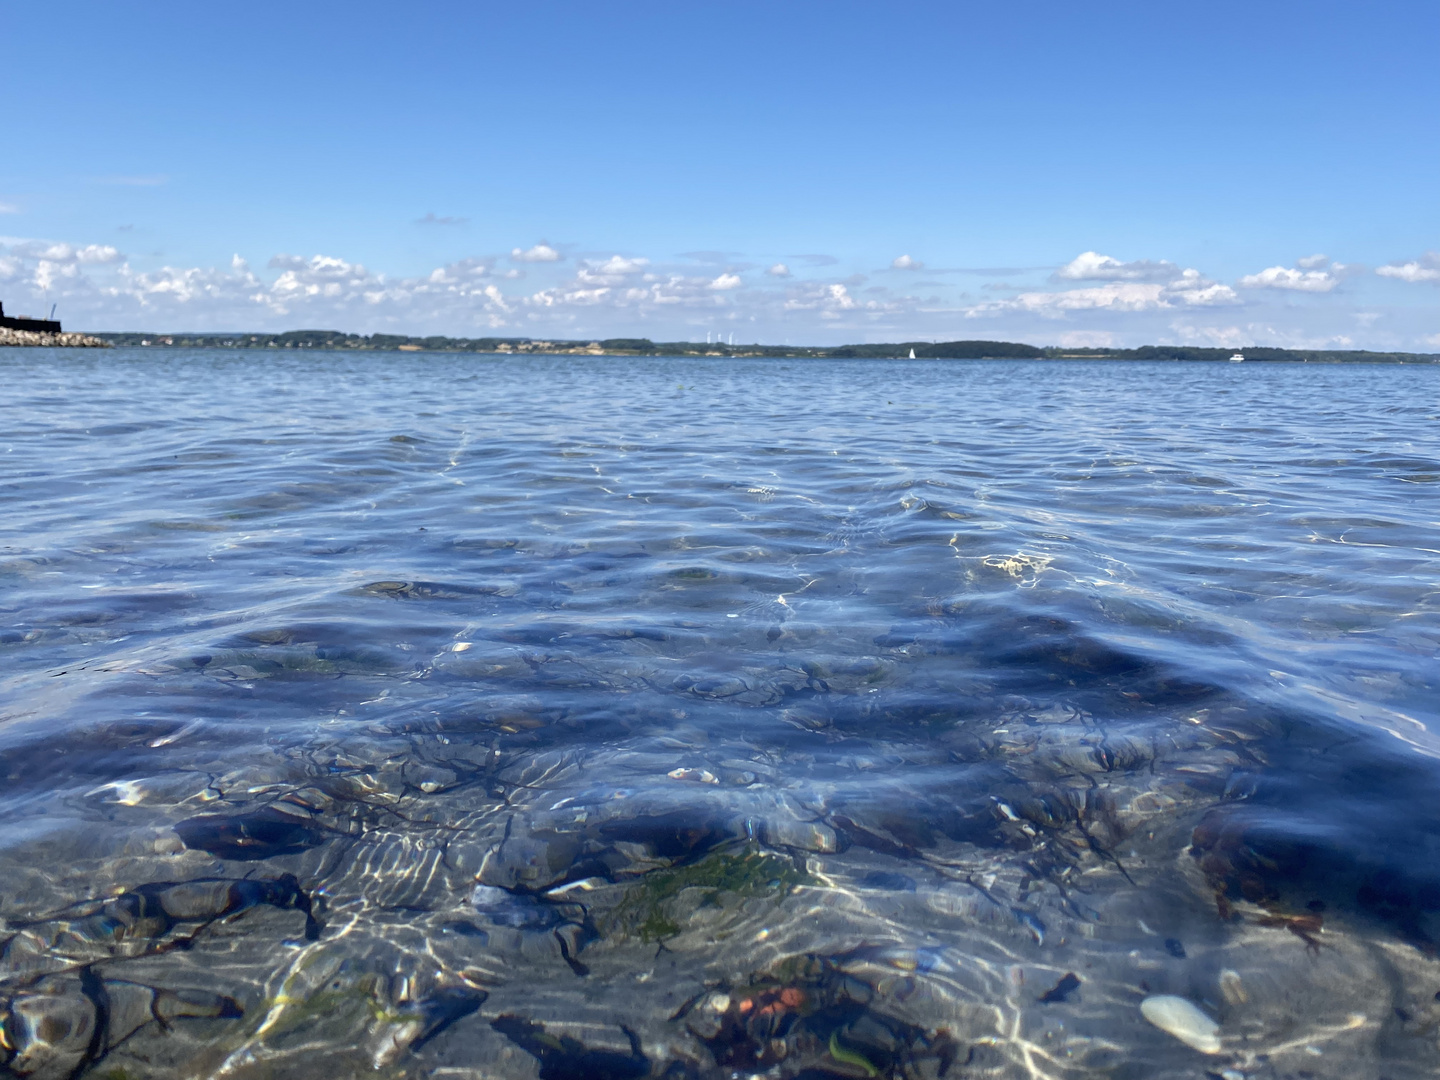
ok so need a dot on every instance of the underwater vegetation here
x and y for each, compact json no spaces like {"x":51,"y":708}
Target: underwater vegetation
{"x":543,"y":720}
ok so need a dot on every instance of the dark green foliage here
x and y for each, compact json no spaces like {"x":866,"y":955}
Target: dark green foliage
{"x":628,"y":344}
{"x":924,"y":350}
{"x":943,"y":350}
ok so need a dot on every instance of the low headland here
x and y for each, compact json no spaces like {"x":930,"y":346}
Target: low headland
{"x":335,"y":340}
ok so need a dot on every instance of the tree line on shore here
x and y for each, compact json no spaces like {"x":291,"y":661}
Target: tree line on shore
{"x":945,"y":350}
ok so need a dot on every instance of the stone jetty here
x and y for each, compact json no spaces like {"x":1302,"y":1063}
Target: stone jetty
{"x":57,"y":340}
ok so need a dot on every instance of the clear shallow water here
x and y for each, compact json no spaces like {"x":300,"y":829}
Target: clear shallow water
{"x":449,"y":716}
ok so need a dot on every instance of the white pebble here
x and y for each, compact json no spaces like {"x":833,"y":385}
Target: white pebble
{"x":699,"y":776}
{"x":1184,"y":1020}
{"x":1232,"y":989}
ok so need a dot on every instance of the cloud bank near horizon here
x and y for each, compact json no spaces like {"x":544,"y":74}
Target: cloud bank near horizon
{"x":1094,"y":299}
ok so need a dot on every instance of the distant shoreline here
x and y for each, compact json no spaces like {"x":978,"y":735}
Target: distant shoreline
{"x":335,"y":341}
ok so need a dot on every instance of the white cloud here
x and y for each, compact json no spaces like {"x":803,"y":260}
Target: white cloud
{"x":1424,"y":269}
{"x":1284,"y":277}
{"x":1192,"y":289}
{"x":779,"y":270}
{"x":432,"y":219}
{"x":9,"y":208}
{"x":1092,"y":266}
{"x":614,"y":271}
{"x":625,"y":296}
{"x":1223,"y":336}
{"x":1120,"y":296}
{"x":52,"y":266}
{"x":1186,"y":288}
{"x":66,"y":253}
{"x":97,"y":253}
{"x":905,"y":262}
{"x":540,"y":253}
{"x":1433,"y":339}
{"x":320,"y":275}
{"x":459,"y":272}
{"x":620,"y":284}
{"x":833,"y":301}
{"x":618,"y":264}
{"x":1305,"y":276}
{"x":824,"y":297}
{"x":1140,"y":285}
{"x":1087,"y":339}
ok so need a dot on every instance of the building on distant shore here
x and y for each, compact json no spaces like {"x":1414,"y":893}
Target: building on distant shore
{"x":24,"y":322}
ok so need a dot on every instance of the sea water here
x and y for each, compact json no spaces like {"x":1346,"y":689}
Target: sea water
{"x":453,"y":716}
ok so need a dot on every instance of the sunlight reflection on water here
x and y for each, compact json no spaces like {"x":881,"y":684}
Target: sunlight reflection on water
{"x":455,"y":716}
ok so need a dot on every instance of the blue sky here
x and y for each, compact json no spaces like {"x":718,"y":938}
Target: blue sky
{"x":1121,"y":173}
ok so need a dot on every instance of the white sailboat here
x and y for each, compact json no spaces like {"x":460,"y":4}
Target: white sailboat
{"x":912,"y":354}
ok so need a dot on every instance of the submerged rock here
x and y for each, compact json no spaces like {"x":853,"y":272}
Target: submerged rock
{"x":411,"y":1025}
{"x":245,"y":837}
{"x":656,"y":906}
{"x":564,"y":1057}
{"x":504,"y":908}
{"x":149,"y":918}
{"x":58,"y":1026}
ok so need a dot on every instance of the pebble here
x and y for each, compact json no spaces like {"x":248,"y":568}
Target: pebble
{"x":1183,"y":1019}
{"x":1232,"y":989}
{"x":698,"y":776}
{"x":807,"y":836}
{"x":1062,"y":990}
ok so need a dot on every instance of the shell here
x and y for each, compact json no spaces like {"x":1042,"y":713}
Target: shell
{"x":1184,"y":1020}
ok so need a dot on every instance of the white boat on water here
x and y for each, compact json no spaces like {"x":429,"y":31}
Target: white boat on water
{"x":912,"y":354}
{"x":1238,"y":358}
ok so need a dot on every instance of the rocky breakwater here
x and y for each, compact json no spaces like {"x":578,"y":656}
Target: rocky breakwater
{"x":57,"y":340}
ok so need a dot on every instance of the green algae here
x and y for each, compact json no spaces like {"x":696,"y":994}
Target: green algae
{"x":846,"y":1056}
{"x":647,"y":909}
